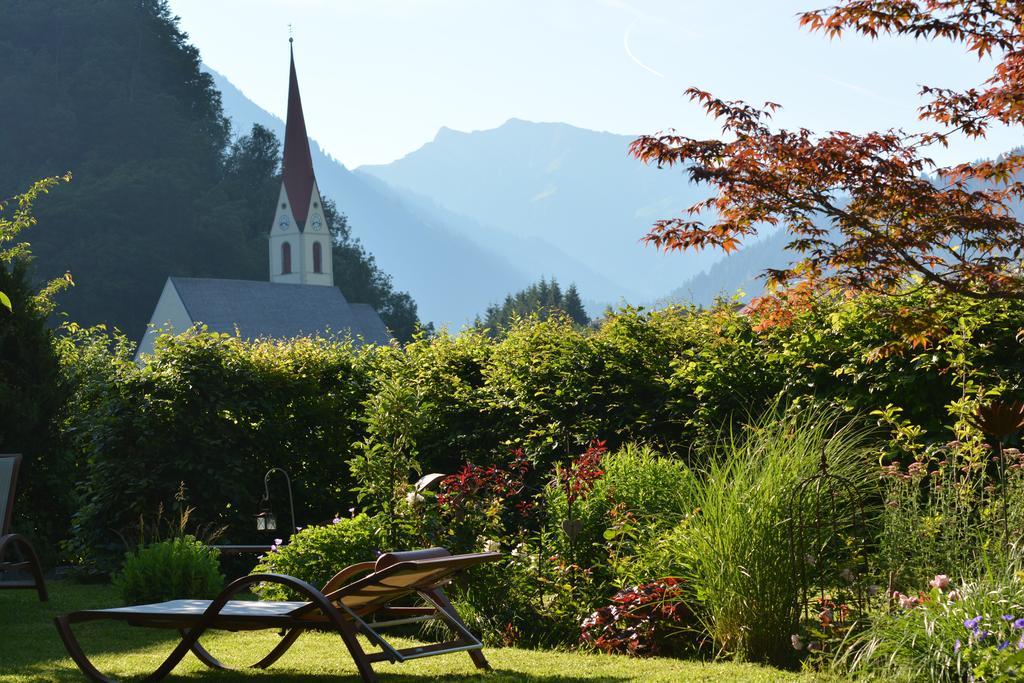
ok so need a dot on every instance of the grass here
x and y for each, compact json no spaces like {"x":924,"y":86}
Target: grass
{"x":30,"y":650}
{"x":736,"y":552}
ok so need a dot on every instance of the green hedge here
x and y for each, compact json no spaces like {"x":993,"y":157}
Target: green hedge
{"x":215,"y":412}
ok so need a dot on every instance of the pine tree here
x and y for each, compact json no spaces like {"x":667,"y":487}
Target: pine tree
{"x":573,"y":306}
{"x":542,"y":299}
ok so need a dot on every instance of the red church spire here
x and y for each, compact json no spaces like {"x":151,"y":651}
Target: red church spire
{"x":298,"y":164}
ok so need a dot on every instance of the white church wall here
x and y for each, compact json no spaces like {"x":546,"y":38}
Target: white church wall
{"x":169,"y":317}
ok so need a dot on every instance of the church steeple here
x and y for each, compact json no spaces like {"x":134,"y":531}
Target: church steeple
{"x":297,"y":171}
{"x":300,"y":242}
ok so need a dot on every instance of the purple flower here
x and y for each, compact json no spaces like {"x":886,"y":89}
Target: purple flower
{"x":982,"y":635}
{"x":1003,"y":645}
{"x":956,"y":646}
{"x":278,"y":541}
{"x":1008,"y":617}
{"x":972,"y":624}
{"x":1019,"y":624}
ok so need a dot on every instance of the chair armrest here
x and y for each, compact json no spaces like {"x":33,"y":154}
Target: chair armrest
{"x":345,"y":575}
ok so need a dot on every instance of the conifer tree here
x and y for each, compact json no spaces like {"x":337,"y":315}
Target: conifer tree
{"x":542,"y":299}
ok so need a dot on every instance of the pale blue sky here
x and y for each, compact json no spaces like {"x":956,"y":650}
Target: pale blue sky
{"x":379,"y":77}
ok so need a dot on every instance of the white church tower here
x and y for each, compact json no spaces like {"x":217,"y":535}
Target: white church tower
{"x":300,"y":239}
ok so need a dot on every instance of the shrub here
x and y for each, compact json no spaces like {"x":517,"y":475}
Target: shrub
{"x":388,"y":455}
{"x":214,"y":412}
{"x":648,"y":619}
{"x":530,"y":598}
{"x":32,"y":399}
{"x":317,"y":553}
{"x":170,"y":570}
{"x":638,"y":495}
{"x":483,"y":503}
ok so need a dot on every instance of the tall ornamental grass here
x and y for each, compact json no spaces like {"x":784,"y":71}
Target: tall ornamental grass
{"x":735,"y":548}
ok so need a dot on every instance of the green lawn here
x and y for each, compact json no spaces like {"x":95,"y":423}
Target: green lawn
{"x":30,"y":650}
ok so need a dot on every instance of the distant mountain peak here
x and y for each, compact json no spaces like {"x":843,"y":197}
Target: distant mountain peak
{"x":446,"y":132}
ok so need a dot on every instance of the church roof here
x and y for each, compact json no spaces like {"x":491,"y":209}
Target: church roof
{"x":276,"y":310}
{"x":297,"y":169}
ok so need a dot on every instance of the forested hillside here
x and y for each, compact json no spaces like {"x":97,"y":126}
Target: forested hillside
{"x":112,"y":91}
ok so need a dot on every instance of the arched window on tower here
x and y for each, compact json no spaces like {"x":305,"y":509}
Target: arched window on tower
{"x":286,"y":258}
{"x":317,"y":258}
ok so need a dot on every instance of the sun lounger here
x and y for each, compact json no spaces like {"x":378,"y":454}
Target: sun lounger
{"x":345,"y":606}
{"x":12,"y":544}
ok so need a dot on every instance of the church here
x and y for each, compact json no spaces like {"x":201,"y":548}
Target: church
{"x":300,"y":298}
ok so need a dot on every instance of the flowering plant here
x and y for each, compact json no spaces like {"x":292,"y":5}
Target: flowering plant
{"x":993,"y":647}
{"x":830,"y":622}
{"x":641,"y":619}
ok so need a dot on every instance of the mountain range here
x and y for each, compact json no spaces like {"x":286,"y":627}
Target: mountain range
{"x":469,"y":218}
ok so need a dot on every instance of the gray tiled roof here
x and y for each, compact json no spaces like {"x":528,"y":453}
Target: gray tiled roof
{"x":280,"y":311}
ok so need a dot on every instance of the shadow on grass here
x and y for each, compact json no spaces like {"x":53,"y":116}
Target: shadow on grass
{"x":31,"y":650}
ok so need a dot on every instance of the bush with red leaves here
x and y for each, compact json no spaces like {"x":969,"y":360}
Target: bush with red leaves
{"x":485,"y":504}
{"x":649,"y":619}
{"x":579,"y":477}
{"x":473,"y":482}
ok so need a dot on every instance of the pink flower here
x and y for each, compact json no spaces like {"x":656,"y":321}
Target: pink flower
{"x":953,"y":596}
{"x":941,"y":582}
{"x":908,"y":602}
{"x":336,"y":520}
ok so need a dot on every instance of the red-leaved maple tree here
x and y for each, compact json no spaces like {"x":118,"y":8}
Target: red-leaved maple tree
{"x":870,"y":212}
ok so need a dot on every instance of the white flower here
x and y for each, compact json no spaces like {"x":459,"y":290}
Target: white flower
{"x":491,"y":546}
{"x":414,"y":499}
{"x":798,"y":643}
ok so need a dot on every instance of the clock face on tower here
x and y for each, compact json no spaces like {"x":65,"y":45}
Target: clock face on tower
{"x":283,"y":222}
{"x":316,"y":223}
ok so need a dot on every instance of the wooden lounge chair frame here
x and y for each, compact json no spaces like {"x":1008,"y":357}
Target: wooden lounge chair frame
{"x":347,"y":607}
{"x":16,"y":542}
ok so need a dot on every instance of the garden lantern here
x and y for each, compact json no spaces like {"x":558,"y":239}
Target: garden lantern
{"x":266,"y":520}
